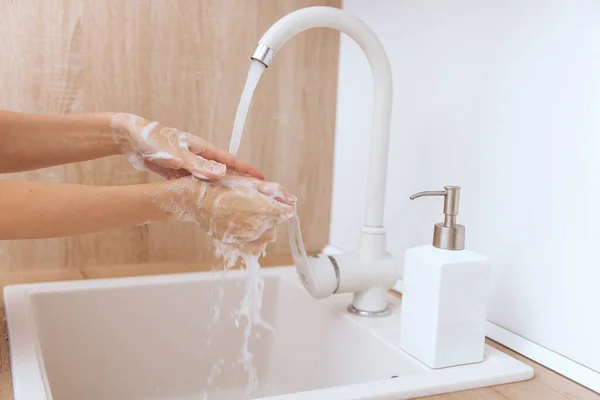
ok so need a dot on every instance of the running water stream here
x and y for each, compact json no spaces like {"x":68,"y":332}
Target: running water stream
{"x":250,"y":307}
{"x":254,"y":74}
{"x":252,"y":300}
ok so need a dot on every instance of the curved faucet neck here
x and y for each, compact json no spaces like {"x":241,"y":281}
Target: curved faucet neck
{"x":329,"y":17}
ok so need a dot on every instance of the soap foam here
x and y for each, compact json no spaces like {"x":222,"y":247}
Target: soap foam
{"x":153,"y":150}
{"x":147,"y":129}
{"x":244,"y":238}
{"x":159,"y":155}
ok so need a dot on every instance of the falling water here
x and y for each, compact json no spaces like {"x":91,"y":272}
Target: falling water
{"x":250,"y":309}
{"x":295,"y":236}
{"x":252,"y":301}
{"x":251,"y":304}
{"x":256,"y":70}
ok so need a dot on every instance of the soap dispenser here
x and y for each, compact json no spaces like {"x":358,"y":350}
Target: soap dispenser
{"x":444,"y":297}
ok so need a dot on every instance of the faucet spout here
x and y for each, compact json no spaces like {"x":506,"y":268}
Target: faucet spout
{"x":329,"y":17}
{"x":372,"y":245}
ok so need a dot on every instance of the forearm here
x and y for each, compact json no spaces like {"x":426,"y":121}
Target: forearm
{"x":31,"y":141}
{"x":33,"y":210}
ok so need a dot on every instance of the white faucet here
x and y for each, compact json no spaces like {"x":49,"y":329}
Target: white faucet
{"x":373,"y":271}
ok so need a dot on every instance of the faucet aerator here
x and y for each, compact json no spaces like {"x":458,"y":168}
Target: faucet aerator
{"x":263,"y":54}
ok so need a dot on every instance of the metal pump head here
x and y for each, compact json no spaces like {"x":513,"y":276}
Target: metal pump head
{"x":447,"y":235}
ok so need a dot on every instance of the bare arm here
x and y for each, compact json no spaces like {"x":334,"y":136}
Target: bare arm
{"x":30,"y":141}
{"x":238,"y":209}
{"x":33,"y":210}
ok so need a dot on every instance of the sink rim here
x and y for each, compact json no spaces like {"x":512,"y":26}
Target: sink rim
{"x":30,"y":381}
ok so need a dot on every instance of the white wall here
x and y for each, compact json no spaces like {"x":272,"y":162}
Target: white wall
{"x":503,"y":99}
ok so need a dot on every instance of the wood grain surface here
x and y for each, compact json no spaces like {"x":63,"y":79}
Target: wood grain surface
{"x":184,"y":63}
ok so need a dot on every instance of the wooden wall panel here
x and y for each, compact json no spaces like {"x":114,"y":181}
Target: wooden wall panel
{"x":184,"y":63}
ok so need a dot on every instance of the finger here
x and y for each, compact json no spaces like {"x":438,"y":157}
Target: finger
{"x":275,"y":191}
{"x":202,"y":168}
{"x":170,"y":174}
{"x":164,"y":159}
{"x":167,"y":173}
{"x":281,"y":212}
{"x":185,"y":159}
{"x":269,"y":189}
{"x":211,"y":152}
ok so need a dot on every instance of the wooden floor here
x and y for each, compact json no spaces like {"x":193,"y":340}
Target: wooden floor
{"x":546,"y":385}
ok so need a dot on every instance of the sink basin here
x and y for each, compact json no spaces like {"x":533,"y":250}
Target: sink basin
{"x":154,"y":337}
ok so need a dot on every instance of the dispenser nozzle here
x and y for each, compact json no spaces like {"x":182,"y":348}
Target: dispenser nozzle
{"x":447,"y":235}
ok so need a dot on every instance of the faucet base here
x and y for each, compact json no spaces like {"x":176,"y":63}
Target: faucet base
{"x":370,"y":314}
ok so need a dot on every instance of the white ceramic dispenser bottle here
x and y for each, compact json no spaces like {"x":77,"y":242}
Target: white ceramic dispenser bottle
{"x":445,"y":292}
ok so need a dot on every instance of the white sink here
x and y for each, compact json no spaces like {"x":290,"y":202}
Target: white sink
{"x":146,"y":338}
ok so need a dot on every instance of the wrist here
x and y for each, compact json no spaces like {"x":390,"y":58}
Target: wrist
{"x":147,"y":201}
{"x":90,"y":133}
{"x":119,"y":131}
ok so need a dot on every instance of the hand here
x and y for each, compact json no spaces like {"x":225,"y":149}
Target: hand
{"x":172,"y":153}
{"x":239,"y":211}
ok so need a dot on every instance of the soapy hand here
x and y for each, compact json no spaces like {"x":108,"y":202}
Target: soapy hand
{"x":239,"y":211}
{"x":172,"y":153}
